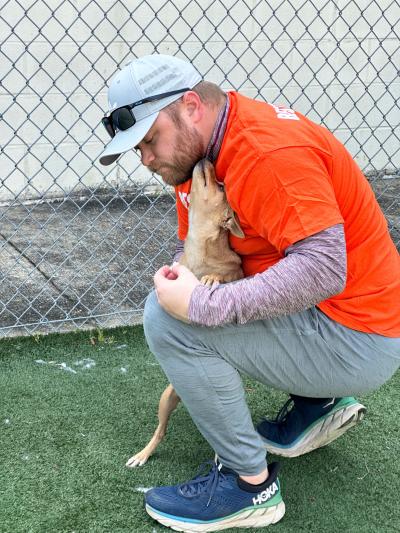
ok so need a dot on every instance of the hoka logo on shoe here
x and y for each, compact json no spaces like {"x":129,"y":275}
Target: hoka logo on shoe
{"x":266,"y":494}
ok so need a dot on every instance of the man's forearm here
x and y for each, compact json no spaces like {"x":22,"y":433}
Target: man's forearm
{"x":313,"y":270}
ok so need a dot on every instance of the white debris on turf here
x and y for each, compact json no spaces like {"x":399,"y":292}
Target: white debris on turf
{"x":63,"y":366}
{"x":142,"y":489}
{"x":86,"y":363}
{"x":82,"y":363}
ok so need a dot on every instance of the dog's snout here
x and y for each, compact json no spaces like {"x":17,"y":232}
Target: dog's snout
{"x":203,"y":171}
{"x":200,"y":173}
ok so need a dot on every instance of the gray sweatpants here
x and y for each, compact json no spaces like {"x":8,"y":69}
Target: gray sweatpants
{"x":306,"y":354}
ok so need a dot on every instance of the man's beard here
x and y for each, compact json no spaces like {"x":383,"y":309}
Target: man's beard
{"x":188,"y":150}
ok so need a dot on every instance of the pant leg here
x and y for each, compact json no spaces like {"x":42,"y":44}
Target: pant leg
{"x":298,"y":354}
{"x":209,"y":387}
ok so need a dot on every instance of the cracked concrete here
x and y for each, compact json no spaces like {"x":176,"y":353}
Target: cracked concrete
{"x":90,"y":263}
{"x":81,"y":263}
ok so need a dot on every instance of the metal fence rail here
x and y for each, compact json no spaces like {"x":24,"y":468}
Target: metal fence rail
{"x":78,"y":242}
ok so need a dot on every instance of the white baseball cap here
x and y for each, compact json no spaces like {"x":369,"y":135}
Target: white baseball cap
{"x":142,"y":78}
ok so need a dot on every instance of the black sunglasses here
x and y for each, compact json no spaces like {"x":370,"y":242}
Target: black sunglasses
{"x":123,"y":118}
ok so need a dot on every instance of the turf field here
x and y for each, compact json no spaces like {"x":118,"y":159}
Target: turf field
{"x":74,"y":408}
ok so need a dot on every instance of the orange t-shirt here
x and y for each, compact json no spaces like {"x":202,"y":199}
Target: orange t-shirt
{"x":288,"y":178}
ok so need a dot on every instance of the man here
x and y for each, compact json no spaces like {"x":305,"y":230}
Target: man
{"x":318,"y":314}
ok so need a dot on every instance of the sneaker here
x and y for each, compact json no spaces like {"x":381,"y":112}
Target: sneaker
{"x":217,"y":500}
{"x":309,"y":424}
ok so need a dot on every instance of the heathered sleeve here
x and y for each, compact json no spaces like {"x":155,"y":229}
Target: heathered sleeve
{"x":312,"y":270}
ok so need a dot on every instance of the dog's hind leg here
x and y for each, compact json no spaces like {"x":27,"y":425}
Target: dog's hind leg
{"x":168,"y":402}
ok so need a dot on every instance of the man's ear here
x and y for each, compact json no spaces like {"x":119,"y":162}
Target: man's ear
{"x":193,"y":106}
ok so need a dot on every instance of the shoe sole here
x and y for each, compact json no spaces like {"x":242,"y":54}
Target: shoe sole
{"x":258,"y":517}
{"x":324,"y":432}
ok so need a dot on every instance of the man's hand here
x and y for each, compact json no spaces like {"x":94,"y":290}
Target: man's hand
{"x":174,"y":286}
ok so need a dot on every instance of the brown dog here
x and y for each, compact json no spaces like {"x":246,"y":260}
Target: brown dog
{"x":208,"y":255}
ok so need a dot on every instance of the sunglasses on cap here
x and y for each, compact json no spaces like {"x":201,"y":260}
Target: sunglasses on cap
{"x":123,"y":118}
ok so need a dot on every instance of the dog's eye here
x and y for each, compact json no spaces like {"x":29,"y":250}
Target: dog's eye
{"x":220,"y":187}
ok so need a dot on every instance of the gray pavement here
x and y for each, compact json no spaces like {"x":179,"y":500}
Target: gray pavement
{"x":81,"y":263}
{"x":89,"y":263}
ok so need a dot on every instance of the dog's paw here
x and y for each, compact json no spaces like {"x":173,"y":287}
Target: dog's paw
{"x":211,"y":280}
{"x":139,"y":459}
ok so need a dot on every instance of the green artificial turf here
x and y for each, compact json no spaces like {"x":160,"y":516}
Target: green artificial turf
{"x":65,"y":437}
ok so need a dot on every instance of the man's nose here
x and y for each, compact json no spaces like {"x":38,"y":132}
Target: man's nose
{"x":146,"y":156}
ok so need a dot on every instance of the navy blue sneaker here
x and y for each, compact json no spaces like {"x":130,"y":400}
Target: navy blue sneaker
{"x":309,"y":424}
{"x":217,"y":500}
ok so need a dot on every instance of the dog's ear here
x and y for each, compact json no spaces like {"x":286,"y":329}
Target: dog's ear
{"x":231,"y":223}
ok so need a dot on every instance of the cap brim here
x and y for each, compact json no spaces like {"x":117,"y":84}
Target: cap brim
{"x":126,"y":140}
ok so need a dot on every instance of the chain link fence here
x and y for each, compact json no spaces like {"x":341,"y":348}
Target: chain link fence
{"x":79,"y":242}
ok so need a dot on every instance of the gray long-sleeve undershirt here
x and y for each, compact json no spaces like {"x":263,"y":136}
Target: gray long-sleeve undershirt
{"x":312,"y":270}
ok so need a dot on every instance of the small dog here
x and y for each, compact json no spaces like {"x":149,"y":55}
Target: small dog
{"x":208,"y":255}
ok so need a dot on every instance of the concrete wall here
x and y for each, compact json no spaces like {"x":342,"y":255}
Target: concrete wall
{"x":332,"y":60}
